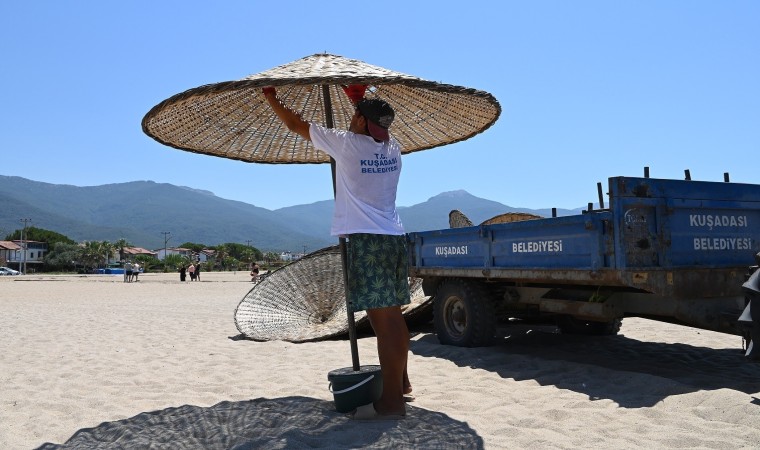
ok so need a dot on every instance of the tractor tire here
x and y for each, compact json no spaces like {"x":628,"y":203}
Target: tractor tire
{"x":463,"y":314}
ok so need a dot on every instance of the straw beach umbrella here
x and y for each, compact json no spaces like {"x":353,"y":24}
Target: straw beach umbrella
{"x":510,"y":217}
{"x":457,"y":219}
{"x":305,"y":301}
{"x":233,"y":120}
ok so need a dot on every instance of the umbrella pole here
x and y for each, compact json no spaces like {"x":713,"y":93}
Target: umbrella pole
{"x":342,"y":243}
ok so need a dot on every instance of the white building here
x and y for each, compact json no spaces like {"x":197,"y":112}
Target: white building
{"x":18,"y":253}
{"x":163,"y":253}
{"x":206,"y":255}
{"x":203,"y":256}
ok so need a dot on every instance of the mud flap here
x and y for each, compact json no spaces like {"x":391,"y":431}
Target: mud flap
{"x":750,"y":318}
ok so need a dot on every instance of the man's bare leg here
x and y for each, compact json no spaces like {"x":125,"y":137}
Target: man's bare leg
{"x":392,"y":350}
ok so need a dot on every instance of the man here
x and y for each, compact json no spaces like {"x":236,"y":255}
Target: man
{"x":255,"y":273}
{"x":128,"y":272}
{"x":368,"y":164}
{"x":136,"y":271}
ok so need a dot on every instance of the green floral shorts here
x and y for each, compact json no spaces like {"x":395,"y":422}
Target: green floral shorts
{"x":378,"y":272}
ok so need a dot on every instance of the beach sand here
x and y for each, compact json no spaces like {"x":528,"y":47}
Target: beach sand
{"x":92,"y":362}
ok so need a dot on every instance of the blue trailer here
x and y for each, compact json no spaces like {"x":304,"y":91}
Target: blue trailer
{"x":671,"y":250}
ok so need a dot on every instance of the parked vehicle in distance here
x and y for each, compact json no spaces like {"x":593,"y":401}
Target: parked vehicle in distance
{"x":8,"y":271}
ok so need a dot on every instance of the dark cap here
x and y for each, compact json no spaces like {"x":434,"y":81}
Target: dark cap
{"x":379,"y":115}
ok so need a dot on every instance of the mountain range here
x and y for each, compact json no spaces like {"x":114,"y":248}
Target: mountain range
{"x":142,"y":211}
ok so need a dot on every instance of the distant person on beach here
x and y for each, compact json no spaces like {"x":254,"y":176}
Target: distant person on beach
{"x":198,"y":272}
{"x":182,"y":273}
{"x":191,"y":270}
{"x":135,"y":270}
{"x":367,"y":169}
{"x":128,"y":271}
{"x":255,"y":273}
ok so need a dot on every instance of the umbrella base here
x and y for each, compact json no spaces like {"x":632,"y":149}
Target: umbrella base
{"x":353,"y":388}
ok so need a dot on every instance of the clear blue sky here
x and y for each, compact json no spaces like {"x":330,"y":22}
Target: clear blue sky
{"x":589,"y":89}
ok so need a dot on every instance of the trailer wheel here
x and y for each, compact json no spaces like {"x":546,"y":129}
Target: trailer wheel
{"x":464,"y":314}
{"x":571,"y":325}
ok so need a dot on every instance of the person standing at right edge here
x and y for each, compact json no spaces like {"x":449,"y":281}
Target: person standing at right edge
{"x":367,"y":169}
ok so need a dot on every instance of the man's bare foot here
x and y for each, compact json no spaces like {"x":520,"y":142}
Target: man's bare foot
{"x":408,"y":397}
{"x":368,"y":412}
{"x":390,"y":410}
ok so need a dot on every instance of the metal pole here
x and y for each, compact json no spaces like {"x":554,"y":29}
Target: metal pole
{"x":342,"y":243}
{"x":601,"y":196}
{"x":248,"y":242}
{"x":166,"y":239}
{"x":23,"y":243}
{"x":23,"y":253}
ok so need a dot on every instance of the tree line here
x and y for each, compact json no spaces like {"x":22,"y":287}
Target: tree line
{"x":66,"y":255}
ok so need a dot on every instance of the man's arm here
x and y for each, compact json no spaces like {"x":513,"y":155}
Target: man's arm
{"x":290,"y":118}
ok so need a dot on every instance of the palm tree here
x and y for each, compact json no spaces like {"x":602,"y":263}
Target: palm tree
{"x":106,"y":250}
{"x":91,"y":254}
{"x":269,"y":257}
{"x":221,"y":253}
{"x":175,"y":262}
{"x":248,"y":256}
{"x":147,"y":262}
{"x":121,"y":244}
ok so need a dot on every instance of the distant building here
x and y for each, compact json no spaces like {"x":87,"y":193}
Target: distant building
{"x":8,"y":251}
{"x":18,"y":253}
{"x":206,"y":255}
{"x":131,"y":252}
{"x":163,"y":253}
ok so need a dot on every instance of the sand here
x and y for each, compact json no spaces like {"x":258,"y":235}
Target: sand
{"x":92,"y":362}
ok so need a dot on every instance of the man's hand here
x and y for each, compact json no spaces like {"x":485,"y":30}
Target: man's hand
{"x":355,"y":92}
{"x":290,"y":118}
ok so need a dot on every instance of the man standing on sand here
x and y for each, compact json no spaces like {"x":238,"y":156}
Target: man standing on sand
{"x":128,"y":272}
{"x":368,"y":164}
{"x":136,"y":271}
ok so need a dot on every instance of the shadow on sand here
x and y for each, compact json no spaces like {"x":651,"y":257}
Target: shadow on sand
{"x":279,"y":423}
{"x":604,"y":367}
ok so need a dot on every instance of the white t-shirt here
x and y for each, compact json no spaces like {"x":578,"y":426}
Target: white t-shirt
{"x":366,"y":180}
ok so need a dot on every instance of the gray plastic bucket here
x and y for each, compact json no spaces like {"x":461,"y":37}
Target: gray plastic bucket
{"x":353,"y":388}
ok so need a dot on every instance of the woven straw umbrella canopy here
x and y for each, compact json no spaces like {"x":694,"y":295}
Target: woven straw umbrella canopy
{"x":233,"y":120}
{"x":304,"y":301}
{"x":510,"y":217}
{"x":457,"y":219}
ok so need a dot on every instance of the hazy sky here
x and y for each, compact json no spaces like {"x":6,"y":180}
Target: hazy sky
{"x":589,"y":89}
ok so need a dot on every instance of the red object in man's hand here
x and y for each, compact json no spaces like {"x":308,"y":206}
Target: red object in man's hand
{"x":269,"y":90}
{"x":355,"y":92}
